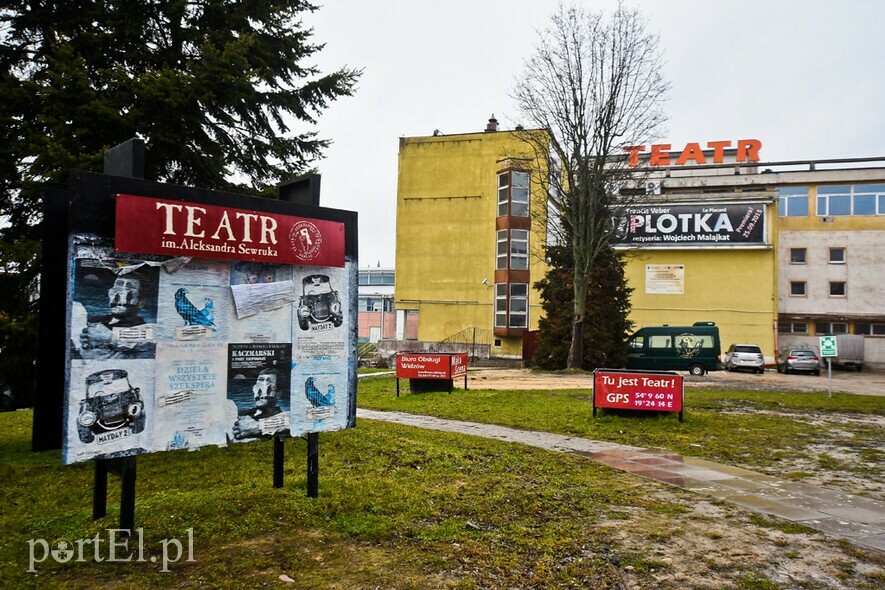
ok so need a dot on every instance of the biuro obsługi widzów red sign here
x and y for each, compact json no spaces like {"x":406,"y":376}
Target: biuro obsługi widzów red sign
{"x":177,"y":228}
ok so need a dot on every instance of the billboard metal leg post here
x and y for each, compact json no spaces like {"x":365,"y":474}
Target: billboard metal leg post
{"x":279,"y":451}
{"x":100,"y":490}
{"x":313,"y":464}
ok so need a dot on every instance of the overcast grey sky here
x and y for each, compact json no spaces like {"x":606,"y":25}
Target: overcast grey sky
{"x":803,"y":76}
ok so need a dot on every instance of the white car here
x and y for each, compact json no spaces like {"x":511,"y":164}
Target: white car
{"x":744,"y":356}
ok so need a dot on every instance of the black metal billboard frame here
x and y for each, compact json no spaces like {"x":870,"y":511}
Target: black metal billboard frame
{"x":87,"y":205}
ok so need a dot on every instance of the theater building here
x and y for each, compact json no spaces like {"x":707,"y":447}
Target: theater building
{"x":775,"y":253}
{"x":470,"y":232}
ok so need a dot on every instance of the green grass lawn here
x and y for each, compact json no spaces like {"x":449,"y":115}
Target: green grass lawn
{"x":754,"y":429}
{"x":404,"y":508}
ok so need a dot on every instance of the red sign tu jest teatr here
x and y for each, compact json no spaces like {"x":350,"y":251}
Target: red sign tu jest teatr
{"x":177,"y":228}
{"x":658,"y":392}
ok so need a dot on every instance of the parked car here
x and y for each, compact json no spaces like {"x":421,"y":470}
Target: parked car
{"x":744,"y":356}
{"x":791,"y":360}
{"x":694,"y":348}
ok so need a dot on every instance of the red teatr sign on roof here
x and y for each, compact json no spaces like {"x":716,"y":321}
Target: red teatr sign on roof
{"x":176,"y":228}
{"x":661,"y":154}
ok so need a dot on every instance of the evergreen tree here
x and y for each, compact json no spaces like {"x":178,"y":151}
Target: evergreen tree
{"x":606,"y":325}
{"x":217,"y":89}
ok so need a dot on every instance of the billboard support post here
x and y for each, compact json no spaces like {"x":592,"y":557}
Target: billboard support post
{"x":279,"y":454}
{"x":313,"y":464}
{"x":126,"y":159}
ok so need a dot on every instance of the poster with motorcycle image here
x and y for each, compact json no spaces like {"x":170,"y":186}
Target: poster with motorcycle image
{"x":190,"y":394}
{"x":109,"y":409}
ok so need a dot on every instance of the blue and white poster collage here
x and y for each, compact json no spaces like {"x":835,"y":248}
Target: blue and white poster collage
{"x":172,"y":353}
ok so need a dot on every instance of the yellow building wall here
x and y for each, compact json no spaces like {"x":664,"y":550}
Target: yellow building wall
{"x":735,"y":288}
{"x":446,"y":236}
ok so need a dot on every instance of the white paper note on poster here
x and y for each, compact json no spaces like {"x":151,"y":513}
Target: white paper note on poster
{"x":250,"y":300}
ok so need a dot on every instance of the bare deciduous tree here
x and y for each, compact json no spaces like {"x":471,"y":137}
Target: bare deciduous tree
{"x":593,"y":87}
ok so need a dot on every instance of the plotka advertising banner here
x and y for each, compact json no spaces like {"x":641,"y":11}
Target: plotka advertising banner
{"x":694,"y":225}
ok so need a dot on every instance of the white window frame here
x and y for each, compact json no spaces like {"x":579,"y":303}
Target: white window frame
{"x":804,"y":289}
{"x":502,"y":250}
{"x":503,"y":194}
{"x":519,"y":180}
{"x":519,"y":260}
{"x":804,"y":255}
{"x":853,"y":192}
{"x":500,"y":298}
{"x":842,"y":249}
{"x":518,"y":314}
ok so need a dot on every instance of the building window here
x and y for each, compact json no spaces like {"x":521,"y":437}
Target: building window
{"x":838,"y":289}
{"x":376,"y":277}
{"x":792,"y":327}
{"x":501,"y":305}
{"x":503,"y":193}
{"x":797,"y":288}
{"x":501,"y":261}
{"x":512,"y":253}
{"x":792,"y":201}
{"x":824,"y":328}
{"x":837,"y":255}
{"x":519,"y":249}
{"x":519,"y":194}
{"x":869,"y":329}
{"x":860,"y":199}
{"x":513,"y":194}
{"x":511,"y":305}
{"x":519,"y":305}
{"x":797,"y":255}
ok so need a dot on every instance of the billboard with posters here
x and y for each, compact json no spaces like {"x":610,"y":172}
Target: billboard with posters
{"x":246,"y":329}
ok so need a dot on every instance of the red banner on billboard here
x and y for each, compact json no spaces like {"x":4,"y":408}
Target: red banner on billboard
{"x":659,"y":392}
{"x":431,"y":366}
{"x":176,"y":228}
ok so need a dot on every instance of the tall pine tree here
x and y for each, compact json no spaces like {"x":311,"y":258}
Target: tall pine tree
{"x":606,"y":323}
{"x":217,"y":89}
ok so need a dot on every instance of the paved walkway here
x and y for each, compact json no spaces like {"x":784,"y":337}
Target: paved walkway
{"x":854,"y":518}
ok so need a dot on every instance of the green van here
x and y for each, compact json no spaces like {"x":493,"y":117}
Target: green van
{"x":694,"y":348}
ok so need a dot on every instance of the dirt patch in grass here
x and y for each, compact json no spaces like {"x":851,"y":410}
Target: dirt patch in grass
{"x":716,"y":545}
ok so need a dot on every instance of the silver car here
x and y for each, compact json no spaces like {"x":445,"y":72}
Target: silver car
{"x":744,"y":356}
{"x":792,"y":360}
